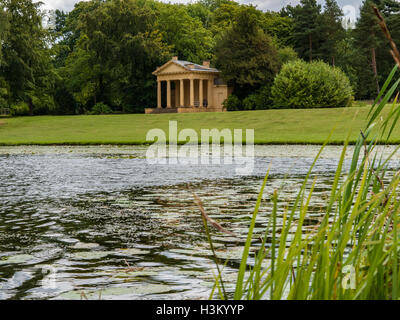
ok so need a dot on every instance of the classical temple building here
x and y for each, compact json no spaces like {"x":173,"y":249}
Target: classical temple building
{"x":184,"y":86}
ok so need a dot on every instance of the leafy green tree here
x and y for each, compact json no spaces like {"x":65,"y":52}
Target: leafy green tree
{"x":67,"y":95}
{"x":247,"y":56}
{"x":4,"y":28}
{"x":188,"y":38}
{"x":213,"y":5}
{"x":65,"y":38}
{"x":279,"y":27}
{"x":375,"y":60}
{"x":200,"y":11}
{"x":368,"y":36}
{"x":26,"y":54}
{"x":224,"y":16}
{"x":306,"y":28}
{"x":112,"y":62}
{"x":4,"y":88}
{"x":332,"y":30}
{"x":347,"y":57}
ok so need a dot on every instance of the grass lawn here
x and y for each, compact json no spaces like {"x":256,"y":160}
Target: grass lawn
{"x":305,"y":126}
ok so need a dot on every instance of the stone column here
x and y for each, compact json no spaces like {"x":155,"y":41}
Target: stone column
{"x":177,"y":93}
{"x":182,"y":93}
{"x":201,"y":92}
{"x":209,"y":92}
{"x":192,"y":93}
{"x":158,"y":94}
{"x":168,"y":93}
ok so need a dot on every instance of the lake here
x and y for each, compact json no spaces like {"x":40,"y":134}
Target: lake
{"x":100,"y":222}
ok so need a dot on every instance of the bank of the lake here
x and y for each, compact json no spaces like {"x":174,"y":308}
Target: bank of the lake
{"x":295,"y":126}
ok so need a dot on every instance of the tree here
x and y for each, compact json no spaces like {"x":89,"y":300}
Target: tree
{"x":26,"y":54}
{"x":246,"y":55}
{"x":279,"y":27}
{"x":367,"y":35}
{"x":200,"y":11}
{"x":375,"y":59}
{"x":66,"y":35}
{"x":332,"y":30}
{"x":112,"y":62}
{"x":347,"y":58}
{"x":188,"y":38}
{"x":4,"y":28}
{"x":306,"y":28}
{"x":223,"y":17}
{"x":4,"y":88}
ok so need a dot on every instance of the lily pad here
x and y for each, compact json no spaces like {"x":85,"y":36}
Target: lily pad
{"x":82,"y":245}
{"x":90,"y":255}
{"x":132,"y":273}
{"x":131,"y":252}
{"x":191,"y":252}
{"x":115,"y":292}
{"x":234,"y":253}
{"x":19,"y":258}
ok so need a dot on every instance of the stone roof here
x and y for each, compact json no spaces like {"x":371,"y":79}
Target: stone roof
{"x":187,"y":65}
{"x":196,"y":67}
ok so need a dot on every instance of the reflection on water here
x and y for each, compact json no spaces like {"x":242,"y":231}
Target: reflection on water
{"x":101,"y":223}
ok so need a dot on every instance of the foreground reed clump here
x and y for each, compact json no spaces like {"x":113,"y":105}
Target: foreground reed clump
{"x":354,"y":251}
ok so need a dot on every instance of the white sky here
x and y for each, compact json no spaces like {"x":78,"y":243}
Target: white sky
{"x":68,"y":5}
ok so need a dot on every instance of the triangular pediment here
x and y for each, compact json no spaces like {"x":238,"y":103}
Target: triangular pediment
{"x":169,"y":67}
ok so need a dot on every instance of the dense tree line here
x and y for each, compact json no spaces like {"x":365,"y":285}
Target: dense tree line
{"x":104,"y":51}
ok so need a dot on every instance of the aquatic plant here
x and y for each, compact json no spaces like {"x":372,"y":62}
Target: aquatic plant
{"x":353,"y":253}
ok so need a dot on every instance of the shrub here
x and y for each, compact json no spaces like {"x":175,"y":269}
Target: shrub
{"x":19,"y":109}
{"x":233,"y":103}
{"x":250,"y":102}
{"x":259,"y":100}
{"x":43,"y":104}
{"x":101,"y":108}
{"x":4,"y":93}
{"x":311,"y":85}
{"x":287,"y":54}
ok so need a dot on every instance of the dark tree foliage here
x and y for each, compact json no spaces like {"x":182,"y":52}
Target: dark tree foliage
{"x":332,"y":31}
{"x":104,"y":51}
{"x":246,"y":55}
{"x":4,"y":28}
{"x":112,"y":62}
{"x":27,"y":68}
{"x":374,"y":61}
{"x":307,"y":29}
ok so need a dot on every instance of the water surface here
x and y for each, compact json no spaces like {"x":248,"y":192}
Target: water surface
{"x":101,"y":223}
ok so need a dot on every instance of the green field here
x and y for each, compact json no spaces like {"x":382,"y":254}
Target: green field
{"x":297,"y":126}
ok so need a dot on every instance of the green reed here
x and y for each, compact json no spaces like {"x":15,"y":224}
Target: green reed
{"x":353,"y":252}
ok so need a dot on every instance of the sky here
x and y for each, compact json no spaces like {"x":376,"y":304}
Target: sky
{"x":350,"y":6}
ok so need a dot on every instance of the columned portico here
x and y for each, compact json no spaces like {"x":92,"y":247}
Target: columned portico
{"x":187,"y":87}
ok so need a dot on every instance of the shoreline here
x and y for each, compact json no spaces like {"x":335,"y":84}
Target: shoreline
{"x":272,"y":143}
{"x":140,"y":151}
